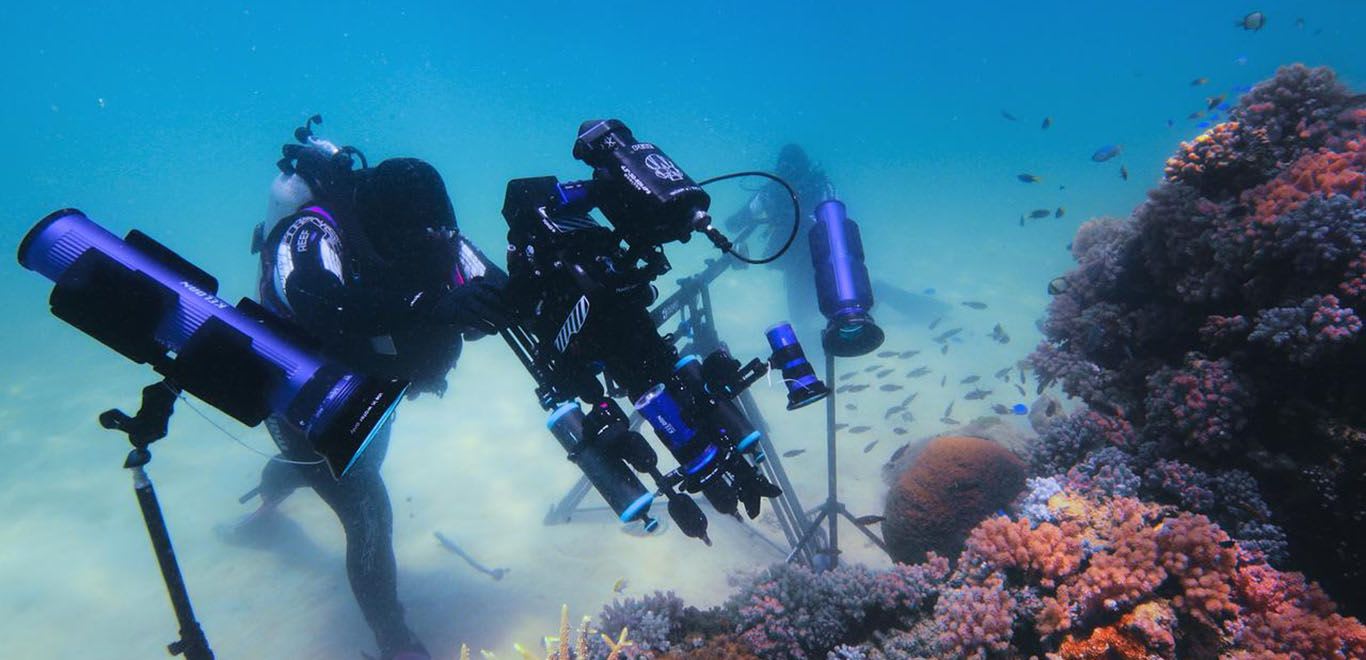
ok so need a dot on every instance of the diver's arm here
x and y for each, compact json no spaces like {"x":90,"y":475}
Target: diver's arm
{"x":754,"y":212}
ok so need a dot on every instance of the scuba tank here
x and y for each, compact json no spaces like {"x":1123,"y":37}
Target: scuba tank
{"x":309,"y":171}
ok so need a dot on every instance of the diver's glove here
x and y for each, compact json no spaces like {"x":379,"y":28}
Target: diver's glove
{"x":476,"y":305}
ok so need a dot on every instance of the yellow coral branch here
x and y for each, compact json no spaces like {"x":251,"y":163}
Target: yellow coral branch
{"x":618,"y":645}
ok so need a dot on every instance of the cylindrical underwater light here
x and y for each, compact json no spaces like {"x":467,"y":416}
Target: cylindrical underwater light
{"x":141,"y":299}
{"x":609,"y":474}
{"x":658,"y":408}
{"x":842,"y":285}
{"x":725,"y":415}
{"x":803,"y":387}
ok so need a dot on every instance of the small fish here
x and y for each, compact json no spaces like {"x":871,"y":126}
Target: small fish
{"x":1299,"y":23}
{"x":949,"y":420}
{"x":891,"y":387}
{"x":884,"y":373}
{"x":887,"y":354}
{"x":907,"y":417}
{"x":1003,"y":374}
{"x":1241,"y":60}
{"x":848,"y":375}
{"x":841,"y":426}
{"x":1213,"y":102}
{"x":1170,"y":123}
{"x":929,"y":291}
{"x":842,"y":389}
{"x":1106,"y":152}
{"x":906,"y":355}
{"x":1007,"y":116}
{"x":1253,"y":22}
{"x":850,"y":406}
{"x":899,"y":451}
{"x":871,"y":368}
{"x":973,"y":304}
{"x":1196,"y":115}
{"x":970,"y":379}
{"x":1203,"y":124}
{"x":944,"y":336}
{"x":1052,"y":408}
{"x":1021,"y":389}
{"x":860,"y":429}
{"x":900,"y":431}
{"x":944,"y":350}
{"x":935,"y":323}
{"x":917,"y":372}
{"x":1047,"y":121}
{"x":1022,"y":377}
{"x":1000,"y":409}
{"x":977,"y":395}
{"x":1057,"y":286}
{"x":869,"y":519}
{"x":999,"y":334}
{"x":943,"y":380}
{"x":855,"y":389}
{"x":1060,"y":212}
{"x":1029,"y":178}
{"x":1124,"y":172}
{"x":1199,"y":81}
{"x":870,"y":446}
{"x":949,"y":410}
{"x":1022,"y":219}
{"x":792,"y":453}
{"x":894,"y":410}
{"x":620,"y":585}
{"x":1039,"y":213}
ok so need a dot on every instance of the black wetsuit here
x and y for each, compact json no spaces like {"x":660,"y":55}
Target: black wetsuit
{"x":321,"y":270}
{"x":770,"y":209}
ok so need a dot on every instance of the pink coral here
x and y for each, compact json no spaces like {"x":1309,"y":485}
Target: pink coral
{"x":1201,"y":558}
{"x":1044,"y":554}
{"x":1224,"y":159}
{"x":1324,"y":172}
{"x":975,"y":619}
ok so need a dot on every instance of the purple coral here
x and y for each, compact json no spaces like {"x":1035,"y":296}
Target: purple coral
{"x":1203,"y":404}
{"x":1105,"y":470}
{"x":975,"y":620}
{"x":1308,"y":332}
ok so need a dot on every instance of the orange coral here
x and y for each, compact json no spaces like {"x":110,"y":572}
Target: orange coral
{"x":1105,"y":643}
{"x":1046,"y":553}
{"x":1227,"y":157}
{"x":1324,"y":172}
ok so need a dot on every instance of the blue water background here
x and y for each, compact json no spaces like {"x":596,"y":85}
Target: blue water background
{"x":168,"y":117}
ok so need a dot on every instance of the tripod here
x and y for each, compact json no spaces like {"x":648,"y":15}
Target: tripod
{"x":693,"y":300}
{"x":144,"y":428}
{"x":832,"y":508}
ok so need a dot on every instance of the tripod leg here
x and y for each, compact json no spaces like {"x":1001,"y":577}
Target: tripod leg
{"x":192,"y":643}
{"x":811,"y":530}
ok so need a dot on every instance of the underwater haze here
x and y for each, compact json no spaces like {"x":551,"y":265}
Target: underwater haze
{"x":168,"y":118}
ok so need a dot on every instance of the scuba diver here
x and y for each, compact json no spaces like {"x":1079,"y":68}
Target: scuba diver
{"x":770,"y":210}
{"x":371,"y":263}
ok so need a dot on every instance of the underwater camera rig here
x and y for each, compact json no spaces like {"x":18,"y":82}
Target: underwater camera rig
{"x":581,"y":293}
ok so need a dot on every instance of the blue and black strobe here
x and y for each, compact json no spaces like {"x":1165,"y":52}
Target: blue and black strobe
{"x":842,"y":285}
{"x":600,"y":461}
{"x":803,"y":387}
{"x":722,"y":413}
{"x":148,"y":303}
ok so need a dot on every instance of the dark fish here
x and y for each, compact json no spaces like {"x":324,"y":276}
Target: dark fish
{"x":869,"y":519}
{"x":949,"y":410}
{"x":935,"y":323}
{"x":1057,"y":286}
{"x":1052,"y":408}
{"x":842,"y":389}
{"x":1003,"y":374}
{"x":1254,"y":21}
{"x":884,"y":373}
{"x":899,"y":451}
{"x":860,"y":429}
{"x":973,"y":304}
{"x":1022,"y":219}
{"x":917,"y":372}
{"x":848,"y":375}
{"x":1000,"y":409}
{"x":850,"y":406}
{"x":1195,"y":115}
{"x":944,"y":336}
{"x":907,"y":417}
{"x":1021,"y":389}
{"x":855,"y":389}
{"x":891,"y":387}
{"x":1007,"y":116}
{"x":1299,"y":23}
{"x":1106,"y":152}
{"x":870,"y":446}
{"x":841,"y":426}
{"x":900,"y":431}
{"x":1039,"y":213}
{"x":970,"y":379}
{"x":943,"y":380}
{"x":999,"y":334}
{"x":894,"y":410}
{"x":1199,"y":81}
{"x":949,"y":420}
{"x":906,"y":355}
{"x":1029,"y":178}
{"x":907,"y":401}
{"x":1047,"y":121}
{"x":887,"y":354}
{"x":1124,"y":172}
{"x":944,"y":350}
{"x":977,"y":395}
{"x":1022,"y":379}
{"x":793,"y":453}
{"x":1213,"y":102}
{"x":872,"y":368}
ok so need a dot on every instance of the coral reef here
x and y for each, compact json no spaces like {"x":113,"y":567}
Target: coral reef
{"x":1222,"y":326}
{"x":954,"y":482}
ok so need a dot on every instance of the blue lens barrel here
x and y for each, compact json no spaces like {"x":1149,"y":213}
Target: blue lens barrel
{"x":658,"y":408}
{"x":803,"y":387}
{"x":725,"y":416}
{"x":610,"y":475}
{"x":842,"y":286}
{"x":152,"y":306}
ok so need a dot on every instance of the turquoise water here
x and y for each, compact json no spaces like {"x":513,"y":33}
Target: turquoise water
{"x":168,"y":118}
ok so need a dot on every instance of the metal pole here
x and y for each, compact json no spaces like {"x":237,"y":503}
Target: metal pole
{"x":831,"y":458}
